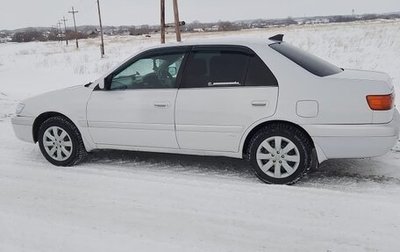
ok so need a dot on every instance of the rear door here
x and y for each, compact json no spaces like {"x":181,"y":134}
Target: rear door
{"x":224,"y":90}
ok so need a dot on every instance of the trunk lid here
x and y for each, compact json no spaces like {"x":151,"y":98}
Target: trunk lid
{"x":369,"y":83}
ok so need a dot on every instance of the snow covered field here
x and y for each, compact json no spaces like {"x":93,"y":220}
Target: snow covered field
{"x":129,"y":201}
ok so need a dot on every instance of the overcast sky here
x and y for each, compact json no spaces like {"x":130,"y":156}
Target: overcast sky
{"x":25,"y":13}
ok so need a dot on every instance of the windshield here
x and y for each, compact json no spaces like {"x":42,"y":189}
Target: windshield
{"x":311,"y":63}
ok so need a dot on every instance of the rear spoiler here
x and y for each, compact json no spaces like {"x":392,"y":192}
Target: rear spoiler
{"x":278,"y":37}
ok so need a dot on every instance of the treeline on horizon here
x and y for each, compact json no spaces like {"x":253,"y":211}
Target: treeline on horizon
{"x":84,"y":32}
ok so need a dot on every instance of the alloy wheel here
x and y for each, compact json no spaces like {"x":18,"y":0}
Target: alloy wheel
{"x":57,"y":143}
{"x":278,"y":157}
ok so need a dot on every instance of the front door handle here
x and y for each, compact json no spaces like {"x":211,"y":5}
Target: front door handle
{"x":259,"y":103}
{"x":161,"y":104}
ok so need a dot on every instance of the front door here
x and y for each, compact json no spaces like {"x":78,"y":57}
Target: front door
{"x":138,"y":104}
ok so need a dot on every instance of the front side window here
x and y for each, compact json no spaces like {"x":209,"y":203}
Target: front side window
{"x":155,"y":72}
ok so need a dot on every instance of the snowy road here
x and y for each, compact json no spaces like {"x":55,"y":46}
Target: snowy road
{"x":128,"y":201}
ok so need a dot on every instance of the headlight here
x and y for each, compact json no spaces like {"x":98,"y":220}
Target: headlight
{"x":19,"y":108}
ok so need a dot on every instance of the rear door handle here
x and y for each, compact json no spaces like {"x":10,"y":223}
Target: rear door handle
{"x":161,"y":104}
{"x":259,"y":103}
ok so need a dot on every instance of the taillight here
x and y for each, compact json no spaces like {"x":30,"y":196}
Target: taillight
{"x":381,"y":102}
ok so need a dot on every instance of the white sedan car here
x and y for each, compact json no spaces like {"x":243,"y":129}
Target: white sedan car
{"x":266,"y":101}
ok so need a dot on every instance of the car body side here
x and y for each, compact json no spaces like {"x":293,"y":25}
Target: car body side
{"x":332,"y":110}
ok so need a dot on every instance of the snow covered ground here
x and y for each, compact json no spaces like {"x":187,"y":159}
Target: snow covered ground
{"x":130,"y":201}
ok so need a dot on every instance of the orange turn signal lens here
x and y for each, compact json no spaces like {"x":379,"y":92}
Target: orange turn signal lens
{"x":381,"y":102}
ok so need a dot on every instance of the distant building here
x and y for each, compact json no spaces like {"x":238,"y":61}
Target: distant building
{"x":213,"y":28}
{"x":198,"y":30}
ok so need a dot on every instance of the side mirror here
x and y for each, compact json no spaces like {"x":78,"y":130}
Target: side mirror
{"x":102,"y":84}
{"x":172,"y":71}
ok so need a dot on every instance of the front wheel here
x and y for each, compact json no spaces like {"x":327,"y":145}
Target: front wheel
{"x":60,"y":142}
{"x":280,"y":154}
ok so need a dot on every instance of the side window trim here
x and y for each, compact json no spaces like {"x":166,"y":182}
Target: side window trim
{"x":233,"y":48}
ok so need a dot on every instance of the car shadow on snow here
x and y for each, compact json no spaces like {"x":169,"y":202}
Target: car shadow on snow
{"x":355,"y":171}
{"x":330,"y":174}
{"x":174,"y":163}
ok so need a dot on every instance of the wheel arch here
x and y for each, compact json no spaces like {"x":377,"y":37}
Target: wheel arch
{"x":88,"y":143}
{"x":41,"y":119}
{"x":244,"y":146}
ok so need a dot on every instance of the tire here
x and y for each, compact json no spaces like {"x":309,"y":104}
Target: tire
{"x":284,"y":163}
{"x":60,"y":142}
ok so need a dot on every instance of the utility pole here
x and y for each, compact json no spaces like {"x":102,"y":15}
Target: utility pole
{"x":65,"y":29}
{"x":177,"y":23}
{"x":54,"y":29}
{"x":76,"y":31}
{"x":59,"y":31}
{"x":162,"y":21}
{"x":101,"y":30}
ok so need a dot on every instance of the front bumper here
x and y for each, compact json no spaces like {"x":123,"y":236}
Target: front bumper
{"x":23,"y":128}
{"x":355,"y":141}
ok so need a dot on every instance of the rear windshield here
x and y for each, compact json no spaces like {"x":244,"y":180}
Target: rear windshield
{"x":306,"y":60}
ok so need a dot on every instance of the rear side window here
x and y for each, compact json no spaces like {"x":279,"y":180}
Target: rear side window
{"x":311,"y":63}
{"x":215,"y":69}
{"x":226,"y":68}
{"x":258,"y":74}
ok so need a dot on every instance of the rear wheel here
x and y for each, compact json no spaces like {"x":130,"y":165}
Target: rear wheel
{"x":280,"y":154}
{"x":60,"y":142}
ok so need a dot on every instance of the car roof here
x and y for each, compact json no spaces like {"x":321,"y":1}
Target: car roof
{"x":229,"y":40}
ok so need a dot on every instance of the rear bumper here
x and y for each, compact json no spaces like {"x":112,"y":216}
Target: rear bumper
{"x":23,"y":128}
{"x":354,"y":141}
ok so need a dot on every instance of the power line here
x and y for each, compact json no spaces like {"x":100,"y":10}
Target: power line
{"x":73,"y":11}
{"x":86,"y":6}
